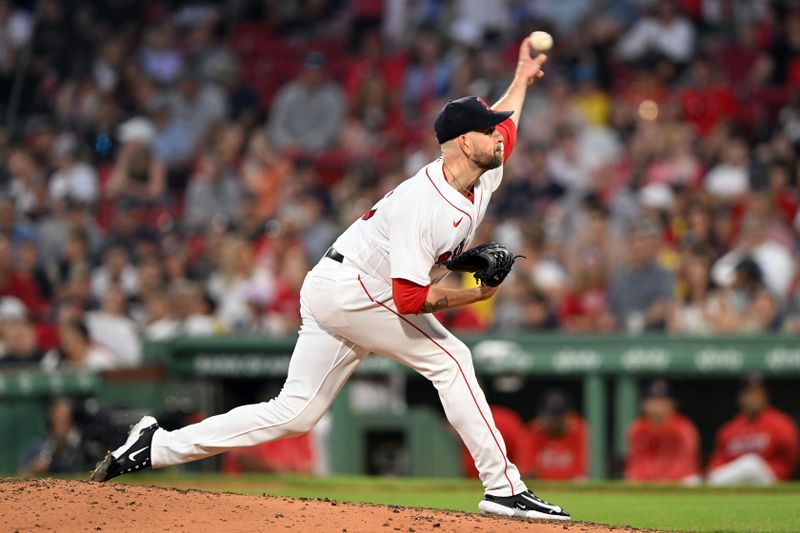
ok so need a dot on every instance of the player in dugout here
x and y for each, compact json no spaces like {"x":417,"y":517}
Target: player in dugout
{"x":759,"y":446}
{"x":557,"y":444}
{"x":373,"y":292}
{"x":663,"y":444}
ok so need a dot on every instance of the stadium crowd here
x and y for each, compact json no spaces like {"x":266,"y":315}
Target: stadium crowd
{"x":174,"y":167}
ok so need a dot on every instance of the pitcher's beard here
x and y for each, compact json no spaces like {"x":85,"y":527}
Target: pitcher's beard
{"x":490,"y":161}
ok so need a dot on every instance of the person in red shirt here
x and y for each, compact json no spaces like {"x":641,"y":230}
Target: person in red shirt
{"x":13,"y":283}
{"x":706,"y":102}
{"x":557,"y":446}
{"x":663,"y":445}
{"x":758,"y":446}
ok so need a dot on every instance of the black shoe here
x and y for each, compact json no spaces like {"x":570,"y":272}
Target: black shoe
{"x":525,"y":505}
{"x":132,"y":456}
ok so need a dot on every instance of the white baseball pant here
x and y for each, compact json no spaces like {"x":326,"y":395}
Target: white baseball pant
{"x":750,"y":469}
{"x":346,"y":315}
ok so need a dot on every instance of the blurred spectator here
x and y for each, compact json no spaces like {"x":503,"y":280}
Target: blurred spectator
{"x":692,"y":313}
{"x":213,"y":191}
{"x":558,"y":438}
{"x":76,"y":351}
{"x":150,"y":278}
{"x":12,"y":225}
{"x":116,"y":269}
{"x":528,"y":186}
{"x":197,"y":103}
{"x":729,"y":308}
{"x":541,"y":265}
{"x":77,"y":292}
{"x":73,"y":178}
{"x":565,"y":164}
{"x":594,"y":237}
{"x":473,"y":19}
{"x":240,"y":277}
{"x":584,"y":308}
{"x":27,"y":184}
{"x":699,"y":229}
{"x":523,"y":307}
{"x":312,"y":219}
{"x":15,"y":283}
{"x":730,"y":179}
{"x":641,"y":294}
{"x":759,"y":446}
{"x":195,"y":311}
{"x":707,"y":102}
{"x":264,"y":171}
{"x":15,"y":31}
{"x":427,"y":77}
{"x":138,"y":173}
{"x":160,"y":323}
{"x":666,"y":34}
{"x":184,"y":117}
{"x":67,"y":217}
{"x":19,"y":343}
{"x":159,"y":55}
{"x":677,"y":165}
{"x":30,"y":269}
{"x":775,"y":262}
{"x":307,"y":112}
{"x":111,"y":328}
{"x":663,"y":445}
{"x":59,"y":451}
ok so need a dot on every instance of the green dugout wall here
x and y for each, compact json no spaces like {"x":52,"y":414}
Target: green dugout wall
{"x":608,"y":366}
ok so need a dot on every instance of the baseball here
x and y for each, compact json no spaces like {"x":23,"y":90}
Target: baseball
{"x":541,"y":41}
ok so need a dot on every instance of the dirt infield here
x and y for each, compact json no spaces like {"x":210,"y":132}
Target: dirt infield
{"x":57,"y":505}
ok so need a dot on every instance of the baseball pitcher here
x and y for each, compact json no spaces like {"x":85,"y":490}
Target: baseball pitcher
{"x":374,"y":291}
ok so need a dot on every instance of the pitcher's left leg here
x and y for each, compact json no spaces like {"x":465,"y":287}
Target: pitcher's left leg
{"x":420,"y":342}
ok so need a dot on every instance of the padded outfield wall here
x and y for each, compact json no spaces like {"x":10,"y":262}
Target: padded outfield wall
{"x":604,"y":373}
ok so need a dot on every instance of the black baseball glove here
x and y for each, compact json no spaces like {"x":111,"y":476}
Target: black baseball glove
{"x":490,"y":263}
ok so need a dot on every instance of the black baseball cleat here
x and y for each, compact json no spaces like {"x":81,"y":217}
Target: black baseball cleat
{"x":524,"y":505}
{"x":132,"y":456}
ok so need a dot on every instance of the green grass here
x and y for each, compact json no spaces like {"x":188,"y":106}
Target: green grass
{"x":736,"y":510}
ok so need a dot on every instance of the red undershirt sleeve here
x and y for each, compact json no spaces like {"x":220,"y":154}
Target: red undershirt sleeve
{"x":508,"y":130}
{"x":408,"y":296}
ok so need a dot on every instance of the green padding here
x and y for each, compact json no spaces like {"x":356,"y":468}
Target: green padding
{"x":530,"y":354}
{"x":36,"y":384}
{"x":433,"y":450}
{"x":21,"y":421}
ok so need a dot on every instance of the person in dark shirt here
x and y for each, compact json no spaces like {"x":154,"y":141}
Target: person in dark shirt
{"x":60,"y":450}
{"x":641,"y":294}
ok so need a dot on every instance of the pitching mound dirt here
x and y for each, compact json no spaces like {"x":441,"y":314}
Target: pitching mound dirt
{"x":56,"y":505}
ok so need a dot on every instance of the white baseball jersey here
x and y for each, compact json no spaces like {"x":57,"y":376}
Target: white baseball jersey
{"x":417,"y":226}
